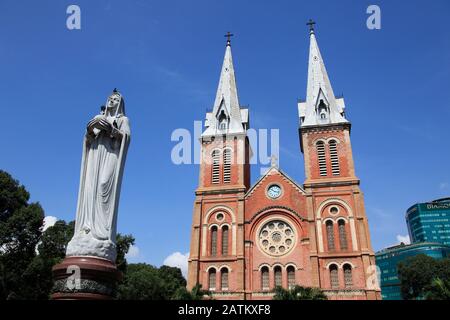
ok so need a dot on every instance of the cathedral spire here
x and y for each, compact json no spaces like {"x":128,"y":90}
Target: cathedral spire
{"x":321,"y":106}
{"x":226,"y":116}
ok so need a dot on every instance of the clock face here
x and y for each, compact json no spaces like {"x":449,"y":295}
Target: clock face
{"x":274,"y":191}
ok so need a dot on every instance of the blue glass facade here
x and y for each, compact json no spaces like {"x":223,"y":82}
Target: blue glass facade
{"x":429,"y":222}
{"x":387,"y":260}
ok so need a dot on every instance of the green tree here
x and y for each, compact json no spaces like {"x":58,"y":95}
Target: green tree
{"x":123,"y":244}
{"x":299,"y":293}
{"x":141,"y":282}
{"x":418,"y":276}
{"x":145,"y":282}
{"x":172,"y":280}
{"x":195,"y":294}
{"x":438,"y":290}
{"x":20,"y":231}
{"x":27,"y":254}
{"x":51,"y":250}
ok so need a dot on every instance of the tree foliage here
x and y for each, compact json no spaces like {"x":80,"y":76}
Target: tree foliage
{"x":145,"y":282}
{"x":197,"y":293}
{"x":27,"y":253}
{"x":298,"y":293}
{"x":20,"y":231}
{"x":423,"y":277}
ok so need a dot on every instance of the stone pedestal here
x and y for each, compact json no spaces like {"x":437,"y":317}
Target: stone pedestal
{"x":85,"y":278}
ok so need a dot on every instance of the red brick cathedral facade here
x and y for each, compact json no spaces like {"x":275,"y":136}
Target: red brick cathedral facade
{"x":247,"y":239}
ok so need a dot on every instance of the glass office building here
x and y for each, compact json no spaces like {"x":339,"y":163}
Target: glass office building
{"x":429,"y":222}
{"x":387,"y":260}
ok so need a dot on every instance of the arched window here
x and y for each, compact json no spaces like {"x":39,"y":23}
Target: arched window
{"x":330,"y":235}
{"x":278,"y":276}
{"x":225,"y":240}
{"x":224,"y":279}
{"x":227,"y":166}
{"x":321,"y":158}
{"x":214,"y":241}
{"x":322,"y":110}
{"x":348,"y":278}
{"x":342,"y":235}
{"x":291,"y":276}
{"x":215,"y":166}
{"x":334,"y":158}
{"x":265,"y":278}
{"x":212,"y":279}
{"x":334,"y":276}
{"x":223,"y":121}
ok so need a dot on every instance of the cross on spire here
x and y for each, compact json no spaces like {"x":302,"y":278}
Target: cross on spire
{"x":311,"y":24}
{"x":228,"y":35}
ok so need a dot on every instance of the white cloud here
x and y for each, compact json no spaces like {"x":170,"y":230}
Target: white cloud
{"x":177,"y":259}
{"x":133,"y":253}
{"x":49,"y":221}
{"x":404,"y":239}
{"x":443,"y":185}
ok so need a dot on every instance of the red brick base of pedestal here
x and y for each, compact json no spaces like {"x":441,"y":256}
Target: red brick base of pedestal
{"x":85,"y":278}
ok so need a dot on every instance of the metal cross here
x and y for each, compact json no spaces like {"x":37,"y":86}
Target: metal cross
{"x":311,"y":24}
{"x":228,"y":35}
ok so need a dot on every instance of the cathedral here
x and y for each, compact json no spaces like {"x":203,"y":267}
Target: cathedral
{"x":248,"y":239}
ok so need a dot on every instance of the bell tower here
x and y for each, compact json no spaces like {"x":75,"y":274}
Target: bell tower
{"x":342,"y":251}
{"x":216,"y":258}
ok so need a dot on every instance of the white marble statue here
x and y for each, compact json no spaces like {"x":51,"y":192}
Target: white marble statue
{"x":104,"y":151}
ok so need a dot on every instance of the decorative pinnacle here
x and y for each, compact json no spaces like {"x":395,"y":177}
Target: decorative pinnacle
{"x":311,"y":24}
{"x":274,"y":161}
{"x":229,"y":35}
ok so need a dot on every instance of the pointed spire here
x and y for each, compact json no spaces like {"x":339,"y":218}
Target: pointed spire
{"x":226,"y":114}
{"x":321,"y":106}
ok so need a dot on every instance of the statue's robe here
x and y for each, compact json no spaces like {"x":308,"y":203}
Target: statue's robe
{"x":98,"y":197}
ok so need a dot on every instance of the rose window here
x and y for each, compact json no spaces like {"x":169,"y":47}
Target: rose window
{"x":276,"y":238}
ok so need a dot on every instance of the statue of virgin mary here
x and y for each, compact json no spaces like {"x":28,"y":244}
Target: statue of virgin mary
{"x":104,"y":151}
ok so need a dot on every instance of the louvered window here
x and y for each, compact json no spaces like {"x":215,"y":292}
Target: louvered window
{"x":334,"y":158}
{"x":224,"y":279}
{"x":265,"y":278}
{"x":227,"y":166}
{"x":334,"y":276}
{"x":342,"y":235}
{"x":321,"y":158}
{"x":225,"y":241}
{"x":330,"y":235}
{"x":214,"y":241}
{"x":212,"y":279}
{"x":216,"y":166}
{"x":277,"y":274}
{"x":348,"y":278}
{"x":291,"y":276}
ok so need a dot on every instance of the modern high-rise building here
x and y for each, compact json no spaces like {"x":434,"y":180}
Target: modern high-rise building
{"x":429,"y":221}
{"x":388,"y":259}
{"x":249,"y":238}
{"x":429,"y":231}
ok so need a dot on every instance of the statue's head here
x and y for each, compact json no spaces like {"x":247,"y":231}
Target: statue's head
{"x":115,"y":104}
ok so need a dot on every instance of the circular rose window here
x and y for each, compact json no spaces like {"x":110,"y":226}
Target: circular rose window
{"x":276,"y":238}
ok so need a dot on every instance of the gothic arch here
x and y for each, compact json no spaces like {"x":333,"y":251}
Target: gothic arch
{"x":232,"y":228}
{"x":350,"y":218}
{"x":331,"y":201}
{"x":219,"y":208}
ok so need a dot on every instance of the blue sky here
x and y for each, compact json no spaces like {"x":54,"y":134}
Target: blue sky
{"x":165,"y":58}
